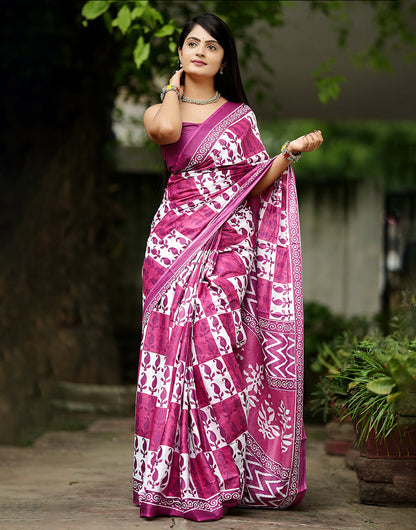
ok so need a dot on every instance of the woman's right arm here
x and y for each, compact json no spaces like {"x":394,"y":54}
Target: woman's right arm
{"x":163,"y":122}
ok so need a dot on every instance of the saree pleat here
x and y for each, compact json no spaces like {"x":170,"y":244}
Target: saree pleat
{"x":219,"y":392}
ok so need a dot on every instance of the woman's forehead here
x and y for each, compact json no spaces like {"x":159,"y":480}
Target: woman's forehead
{"x":201,"y":34}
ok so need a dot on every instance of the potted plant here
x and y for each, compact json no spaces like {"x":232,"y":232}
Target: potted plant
{"x":340,"y":433}
{"x":376,"y":387}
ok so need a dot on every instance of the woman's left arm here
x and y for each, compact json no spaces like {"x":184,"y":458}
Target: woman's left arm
{"x":303,"y":144}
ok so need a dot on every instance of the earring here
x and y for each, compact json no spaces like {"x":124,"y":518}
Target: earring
{"x":180,"y":63}
{"x":221,"y":70}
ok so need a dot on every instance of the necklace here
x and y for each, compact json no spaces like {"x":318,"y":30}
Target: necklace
{"x":214,"y":98}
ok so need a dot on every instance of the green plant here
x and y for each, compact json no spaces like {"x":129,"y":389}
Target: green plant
{"x":326,"y":334}
{"x":375,"y":379}
{"x":372,"y":380}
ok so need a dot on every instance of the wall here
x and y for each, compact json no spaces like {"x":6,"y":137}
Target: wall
{"x":341,"y":229}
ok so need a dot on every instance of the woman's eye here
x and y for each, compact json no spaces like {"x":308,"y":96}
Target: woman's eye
{"x":191,"y":44}
{"x":212,"y":47}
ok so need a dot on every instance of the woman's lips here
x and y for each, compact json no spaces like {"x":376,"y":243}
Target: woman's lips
{"x":199,"y":63}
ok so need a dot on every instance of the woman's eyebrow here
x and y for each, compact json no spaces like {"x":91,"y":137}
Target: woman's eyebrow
{"x":199,"y":40}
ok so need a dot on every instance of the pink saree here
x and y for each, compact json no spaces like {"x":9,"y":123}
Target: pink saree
{"x":220,"y":381}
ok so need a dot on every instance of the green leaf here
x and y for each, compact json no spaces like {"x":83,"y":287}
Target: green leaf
{"x":92,"y":10}
{"x":329,"y":88}
{"x":141,"y":52}
{"x":328,"y":85}
{"x":123,"y":19}
{"x":165,"y":30}
{"x":137,"y":12}
{"x":173,"y":47}
{"x":151,"y":17}
{"x":382,"y":385}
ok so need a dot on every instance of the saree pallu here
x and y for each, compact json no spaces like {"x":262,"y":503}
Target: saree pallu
{"x":220,"y":381}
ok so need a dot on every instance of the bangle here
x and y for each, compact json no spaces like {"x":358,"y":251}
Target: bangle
{"x":288,"y":155}
{"x":167,"y":88}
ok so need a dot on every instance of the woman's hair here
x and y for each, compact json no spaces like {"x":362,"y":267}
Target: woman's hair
{"x":229,"y":84}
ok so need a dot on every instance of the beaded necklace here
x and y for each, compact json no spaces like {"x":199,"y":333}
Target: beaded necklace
{"x":214,"y":98}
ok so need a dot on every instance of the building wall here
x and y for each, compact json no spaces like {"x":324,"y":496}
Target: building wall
{"x":341,"y":229}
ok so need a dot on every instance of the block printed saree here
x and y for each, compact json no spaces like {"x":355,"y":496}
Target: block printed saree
{"x":220,"y":381}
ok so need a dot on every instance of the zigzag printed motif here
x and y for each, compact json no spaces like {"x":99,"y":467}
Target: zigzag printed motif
{"x":279,"y":349}
{"x":262,"y":488}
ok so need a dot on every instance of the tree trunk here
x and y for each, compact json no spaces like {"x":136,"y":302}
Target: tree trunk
{"x":56,"y":216}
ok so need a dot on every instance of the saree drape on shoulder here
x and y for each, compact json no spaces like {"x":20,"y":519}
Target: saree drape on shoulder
{"x":220,"y":381}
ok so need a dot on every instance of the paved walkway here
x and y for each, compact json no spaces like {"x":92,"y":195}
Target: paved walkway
{"x":81,"y":480}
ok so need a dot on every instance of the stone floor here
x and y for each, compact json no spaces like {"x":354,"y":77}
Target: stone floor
{"x":81,"y":480}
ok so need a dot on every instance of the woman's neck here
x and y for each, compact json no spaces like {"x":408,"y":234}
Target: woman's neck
{"x":198,"y":89}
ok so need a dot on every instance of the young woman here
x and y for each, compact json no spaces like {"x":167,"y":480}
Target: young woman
{"x":219,"y":392}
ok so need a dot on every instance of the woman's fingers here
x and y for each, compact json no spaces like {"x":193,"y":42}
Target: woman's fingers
{"x":308,"y":142}
{"x":176,"y":78}
{"x":313,"y":140}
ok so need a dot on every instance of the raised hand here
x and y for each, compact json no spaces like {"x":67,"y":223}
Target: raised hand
{"x":308,"y":142}
{"x":176,"y":79}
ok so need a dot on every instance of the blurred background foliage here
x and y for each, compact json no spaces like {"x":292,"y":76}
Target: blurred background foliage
{"x":148,"y":30}
{"x":353,"y":150}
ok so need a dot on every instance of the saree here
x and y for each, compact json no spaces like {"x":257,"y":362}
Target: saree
{"x":220,"y":381}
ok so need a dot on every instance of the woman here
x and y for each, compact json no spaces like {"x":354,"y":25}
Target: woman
{"x":219,"y":393}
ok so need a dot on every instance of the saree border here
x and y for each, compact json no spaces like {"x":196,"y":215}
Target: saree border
{"x":296,"y":262}
{"x":291,"y":474}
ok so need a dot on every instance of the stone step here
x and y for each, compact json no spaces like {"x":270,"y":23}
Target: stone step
{"x":386,"y":481}
{"x":118,"y":400}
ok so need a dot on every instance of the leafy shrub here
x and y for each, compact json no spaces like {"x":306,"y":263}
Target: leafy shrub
{"x":373,"y":379}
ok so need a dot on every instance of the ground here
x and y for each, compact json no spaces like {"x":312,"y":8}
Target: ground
{"x":82,"y":480}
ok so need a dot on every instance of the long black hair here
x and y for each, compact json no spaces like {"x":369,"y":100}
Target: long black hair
{"x":229,"y":84}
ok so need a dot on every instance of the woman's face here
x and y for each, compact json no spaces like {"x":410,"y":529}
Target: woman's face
{"x":201,"y":54}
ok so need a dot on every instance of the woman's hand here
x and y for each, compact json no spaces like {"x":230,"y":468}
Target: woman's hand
{"x":308,"y":142}
{"x":176,"y":79}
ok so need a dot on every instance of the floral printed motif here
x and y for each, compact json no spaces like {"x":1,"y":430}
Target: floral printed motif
{"x":269,"y":429}
{"x":254,"y":377}
{"x":272,"y":424}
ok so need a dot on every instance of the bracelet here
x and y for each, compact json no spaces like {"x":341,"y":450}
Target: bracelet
{"x":167,"y":88}
{"x":288,"y":155}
